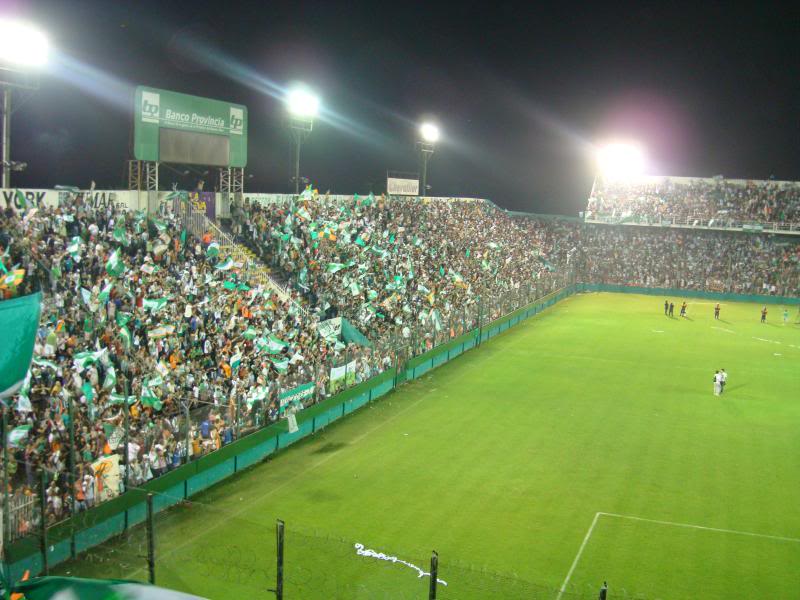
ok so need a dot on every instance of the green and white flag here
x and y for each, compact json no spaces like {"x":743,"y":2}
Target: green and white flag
{"x":355,"y":290}
{"x":115,"y":399}
{"x":212,"y":250}
{"x":225,"y":265}
{"x":259,"y":393}
{"x":125,"y":335}
{"x":111,"y":379}
{"x":275,"y":345}
{"x":18,"y":435}
{"x":105,"y":293}
{"x":74,"y":247}
{"x":236,"y":360}
{"x":45,"y":364}
{"x":86,"y":296}
{"x":122,"y":318}
{"x":334,"y":267}
{"x":83,"y":360}
{"x":154,"y":304}
{"x":250,"y":333}
{"x":120,"y":235}
{"x":69,"y":588}
{"x":160,"y":225}
{"x":115,"y":267}
{"x":281,"y":366}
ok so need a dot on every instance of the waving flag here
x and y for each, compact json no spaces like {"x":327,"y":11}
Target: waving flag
{"x":154,"y":304}
{"x":115,"y":267}
{"x":225,"y":265}
{"x":212,"y":250}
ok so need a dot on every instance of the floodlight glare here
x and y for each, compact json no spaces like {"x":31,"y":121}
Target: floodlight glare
{"x":302,"y":103}
{"x":429,"y":132}
{"x":21,"y":44}
{"x":619,"y":160}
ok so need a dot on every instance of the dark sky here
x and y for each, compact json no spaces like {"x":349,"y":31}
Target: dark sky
{"x":521,"y":90}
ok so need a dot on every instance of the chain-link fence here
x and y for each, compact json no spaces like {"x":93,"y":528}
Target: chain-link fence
{"x":217,"y":552}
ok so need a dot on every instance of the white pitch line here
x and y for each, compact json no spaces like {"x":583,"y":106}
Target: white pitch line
{"x":578,"y":555}
{"x":702,"y":527}
{"x":723,"y":329}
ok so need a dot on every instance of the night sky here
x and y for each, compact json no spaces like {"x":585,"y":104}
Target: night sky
{"x":521,"y":91}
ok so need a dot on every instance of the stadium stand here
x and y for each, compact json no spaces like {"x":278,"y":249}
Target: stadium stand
{"x":710,"y":202}
{"x":139,"y":312}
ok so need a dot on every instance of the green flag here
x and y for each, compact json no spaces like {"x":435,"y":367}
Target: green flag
{"x":74,"y":247}
{"x":45,"y":364}
{"x":122,"y":318}
{"x":281,"y":366}
{"x":334,"y":267}
{"x":115,"y":398}
{"x":120,"y":235}
{"x":115,"y":267}
{"x":154,"y":304}
{"x":212,"y":250}
{"x":83,"y":360}
{"x":17,"y":435}
{"x":105,"y":292}
{"x":275,"y":345}
{"x":43,"y":588}
{"x":250,"y":333}
{"x":236,"y":360}
{"x":225,"y":265}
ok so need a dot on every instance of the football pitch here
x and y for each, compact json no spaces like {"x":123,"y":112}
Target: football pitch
{"x":584,"y":445}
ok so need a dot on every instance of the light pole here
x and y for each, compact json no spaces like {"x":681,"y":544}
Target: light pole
{"x":303,"y":106}
{"x":22,"y":48}
{"x":430,"y":135}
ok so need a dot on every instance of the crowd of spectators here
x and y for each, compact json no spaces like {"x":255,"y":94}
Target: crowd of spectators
{"x":154,"y":340}
{"x":138,"y":315}
{"x":691,"y":259}
{"x":401,"y":264}
{"x":707,"y":201}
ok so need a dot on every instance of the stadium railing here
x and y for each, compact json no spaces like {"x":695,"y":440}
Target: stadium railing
{"x":36,"y":543}
{"x":688,"y":222}
{"x":681,"y":293}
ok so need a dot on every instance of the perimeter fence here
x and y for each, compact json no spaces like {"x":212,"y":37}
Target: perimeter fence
{"x":230,"y":552}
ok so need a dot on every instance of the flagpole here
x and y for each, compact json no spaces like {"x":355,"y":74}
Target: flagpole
{"x":6,"y":515}
{"x":71,"y":475}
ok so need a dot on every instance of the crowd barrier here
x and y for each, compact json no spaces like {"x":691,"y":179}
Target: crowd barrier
{"x":87,"y":529}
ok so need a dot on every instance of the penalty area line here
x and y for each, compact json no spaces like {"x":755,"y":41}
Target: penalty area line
{"x":766,"y":536}
{"x":578,"y":556}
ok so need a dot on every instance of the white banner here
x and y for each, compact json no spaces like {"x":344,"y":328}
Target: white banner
{"x":24,"y":199}
{"x":402,"y":187}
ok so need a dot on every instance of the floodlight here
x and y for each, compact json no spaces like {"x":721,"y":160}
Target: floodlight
{"x":621,"y":159}
{"x":21,"y":44}
{"x":429,"y":132}
{"x":302,"y":103}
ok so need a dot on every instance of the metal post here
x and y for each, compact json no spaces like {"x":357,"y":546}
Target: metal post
{"x":127,"y":412}
{"x":6,"y":138}
{"x":188,"y":433}
{"x":424,"y":176}
{"x":151,"y":542}
{"x":6,"y":513}
{"x":297,"y":143}
{"x":236,"y":417}
{"x":279,"y":576}
{"x":72,"y":552}
{"x":434,"y":575}
{"x":43,"y":512}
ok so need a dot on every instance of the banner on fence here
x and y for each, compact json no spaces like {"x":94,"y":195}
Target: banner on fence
{"x":106,"y":472}
{"x":330,"y":329}
{"x":343,"y":376}
{"x":205,"y":202}
{"x":294,"y":398}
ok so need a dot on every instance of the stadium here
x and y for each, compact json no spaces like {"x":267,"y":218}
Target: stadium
{"x":225,"y":391}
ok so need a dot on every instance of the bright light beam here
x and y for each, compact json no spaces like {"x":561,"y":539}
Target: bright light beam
{"x":429,"y":132}
{"x":302,"y":103}
{"x":620,"y":160}
{"x":22,"y":44}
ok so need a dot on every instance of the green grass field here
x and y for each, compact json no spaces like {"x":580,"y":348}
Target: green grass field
{"x":585,"y":444}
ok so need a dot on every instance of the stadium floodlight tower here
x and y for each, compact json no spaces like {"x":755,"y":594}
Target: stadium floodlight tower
{"x":303,"y":107}
{"x":429,"y":134}
{"x":23,"y":50}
